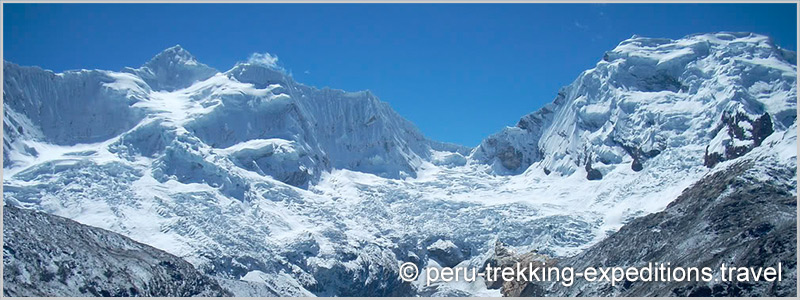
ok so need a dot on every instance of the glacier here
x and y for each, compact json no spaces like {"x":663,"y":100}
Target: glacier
{"x":269,"y":184}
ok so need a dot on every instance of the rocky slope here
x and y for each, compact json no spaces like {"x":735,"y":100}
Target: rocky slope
{"x":50,"y":256}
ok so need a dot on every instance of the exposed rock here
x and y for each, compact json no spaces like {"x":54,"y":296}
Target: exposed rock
{"x":510,"y":158}
{"x":506,"y":258}
{"x":446,"y":253}
{"x":538,"y":289}
{"x":638,"y":155}
{"x":592,"y":174}
{"x":636,"y":165}
{"x":742,"y":134}
{"x":762,"y":128}
{"x":502,"y":257}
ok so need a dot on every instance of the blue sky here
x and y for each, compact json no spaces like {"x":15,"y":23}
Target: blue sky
{"x":459,"y":72}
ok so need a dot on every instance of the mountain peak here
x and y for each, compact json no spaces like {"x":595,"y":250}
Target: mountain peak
{"x":174,"y":55}
{"x":177,"y":47}
{"x":172,"y":69}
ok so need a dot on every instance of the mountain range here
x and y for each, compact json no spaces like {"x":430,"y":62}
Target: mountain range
{"x":266,"y":186}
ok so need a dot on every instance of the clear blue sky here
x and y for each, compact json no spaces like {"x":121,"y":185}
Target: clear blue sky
{"x":459,"y":72}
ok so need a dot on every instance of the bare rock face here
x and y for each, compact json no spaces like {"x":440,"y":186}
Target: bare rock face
{"x":736,"y":136}
{"x":506,"y":258}
{"x":591,"y":173}
{"x":523,"y":288}
{"x":446,"y":253}
{"x":502,"y":257}
{"x":638,"y":155}
{"x":50,"y":256}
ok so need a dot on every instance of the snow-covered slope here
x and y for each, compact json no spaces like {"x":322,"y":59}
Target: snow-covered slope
{"x":68,"y":108}
{"x":250,"y":175}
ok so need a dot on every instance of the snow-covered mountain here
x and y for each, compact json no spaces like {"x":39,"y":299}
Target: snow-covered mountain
{"x":708,"y":92}
{"x":254,"y":115}
{"x":268,"y":184}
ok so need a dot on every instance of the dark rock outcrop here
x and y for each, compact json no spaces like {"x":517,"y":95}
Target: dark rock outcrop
{"x":506,"y":258}
{"x":712,"y":159}
{"x":592,"y":174}
{"x":639,"y":156}
{"x":759,"y":129}
{"x":636,"y":165}
{"x":503,"y":257}
{"x":446,"y":253}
